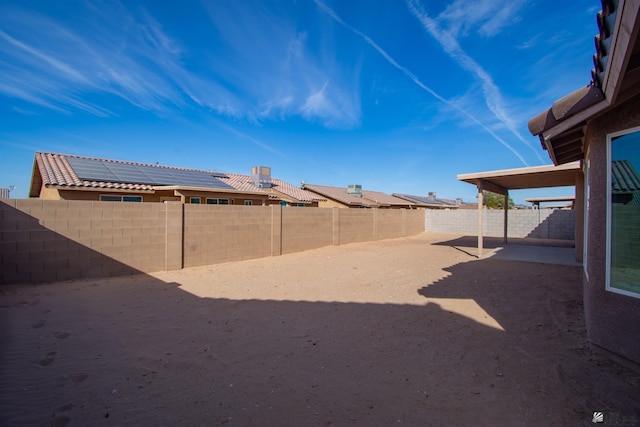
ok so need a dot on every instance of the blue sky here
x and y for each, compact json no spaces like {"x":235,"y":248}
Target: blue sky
{"x":398,"y":96}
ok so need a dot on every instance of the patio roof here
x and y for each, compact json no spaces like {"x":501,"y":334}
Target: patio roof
{"x":500,"y":181}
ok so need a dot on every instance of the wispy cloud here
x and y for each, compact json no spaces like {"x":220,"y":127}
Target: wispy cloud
{"x":63,"y":66}
{"x":249,"y":138}
{"x":234,"y":70}
{"x":417,"y":81}
{"x":492,"y":94}
{"x":486,"y":18}
{"x":278,"y":71}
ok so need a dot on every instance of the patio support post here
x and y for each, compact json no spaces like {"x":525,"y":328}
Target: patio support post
{"x":480,"y":204}
{"x":506,"y":214}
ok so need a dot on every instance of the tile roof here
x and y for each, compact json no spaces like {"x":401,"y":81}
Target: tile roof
{"x":617,"y":53}
{"x":295,"y":192}
{"x":339,"y":194}
{"x":245,"y":183}
{"x":383,"y":199}
{"x":369,"y":199}
{"x":52,"y":169}
{"x":427,"y":201}
{"x":624,"y":177}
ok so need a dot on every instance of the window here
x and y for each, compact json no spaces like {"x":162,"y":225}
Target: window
{"x":297,"y":204}
{"x":194,"y":200}
{"x":217,"y":201}
{"x":114,"y":198}
{"x":248,"y":203}
{"x":623,"y":213}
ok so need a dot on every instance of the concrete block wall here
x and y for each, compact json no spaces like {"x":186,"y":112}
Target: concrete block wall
{"x":51,"y":240}
{"x":389,"y":223}
{"x":355,"y":225}
{"x":215,"y":233}
{"x":538,"y":223}
{"x":414,"y":222}
{"x":462,"y":221}
{"x":306,"y":228}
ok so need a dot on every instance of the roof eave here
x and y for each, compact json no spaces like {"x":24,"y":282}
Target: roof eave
{"x":97,"y":189}
{"x":208,"y":190}
{"x":567,"y":125}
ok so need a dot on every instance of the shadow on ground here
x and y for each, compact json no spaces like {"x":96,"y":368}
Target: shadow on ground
{"x":469,"y":244}
{"x":140,"y":351}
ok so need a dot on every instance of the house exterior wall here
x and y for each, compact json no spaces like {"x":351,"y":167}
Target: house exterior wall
{"x":613,"y":320}
{"x":536,"y":223}
{"x":51,"y":240}
{"x":52,"y":193}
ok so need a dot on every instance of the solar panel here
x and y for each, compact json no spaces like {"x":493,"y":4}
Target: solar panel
{"x":102,"y":170}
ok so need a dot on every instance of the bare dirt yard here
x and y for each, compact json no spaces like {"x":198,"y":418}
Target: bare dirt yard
{"x":412,"y":331}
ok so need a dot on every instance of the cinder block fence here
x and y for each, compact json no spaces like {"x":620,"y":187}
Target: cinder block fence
{"x":51,"y":240}
{"x":535,"y":223}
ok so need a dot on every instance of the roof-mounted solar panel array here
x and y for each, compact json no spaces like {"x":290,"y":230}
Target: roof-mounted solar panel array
{"x":132,"y":173}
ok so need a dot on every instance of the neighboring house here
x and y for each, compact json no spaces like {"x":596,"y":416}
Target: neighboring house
{"x":71,"y":177}
{"x":432,"y":202}
{"x":353,"y":196}
{"x":4,"y":193}
{"x":600,"y":125}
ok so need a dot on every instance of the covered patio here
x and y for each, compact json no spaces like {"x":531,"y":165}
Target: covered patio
{"x":501,"y":181}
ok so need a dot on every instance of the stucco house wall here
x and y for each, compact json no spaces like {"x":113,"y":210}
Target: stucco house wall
{"x":613,"y":320}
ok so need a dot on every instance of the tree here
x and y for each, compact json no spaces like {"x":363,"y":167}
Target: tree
{"x":495,"y":201}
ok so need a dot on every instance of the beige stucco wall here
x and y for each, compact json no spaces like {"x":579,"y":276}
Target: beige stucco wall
{"x":613,"y":320}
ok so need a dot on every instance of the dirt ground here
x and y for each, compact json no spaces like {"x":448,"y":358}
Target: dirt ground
{"x":412,"y":331}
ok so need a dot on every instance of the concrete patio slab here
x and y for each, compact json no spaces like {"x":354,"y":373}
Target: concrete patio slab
{"x":538,"y":254}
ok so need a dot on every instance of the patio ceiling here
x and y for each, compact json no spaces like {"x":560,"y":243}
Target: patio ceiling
{"x":500,"y":181}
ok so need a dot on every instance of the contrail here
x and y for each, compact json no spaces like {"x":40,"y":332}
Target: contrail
{"x":415,"y":79}
{"x":450,"y":45}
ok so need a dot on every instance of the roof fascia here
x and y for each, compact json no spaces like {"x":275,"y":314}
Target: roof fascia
{"x":35,"y":176}
{"x":518,"y":171}
{"x":573,"y":122}
{"x":209,"y":190}
{"x":620,"y":46}
{"x":99,"y":189}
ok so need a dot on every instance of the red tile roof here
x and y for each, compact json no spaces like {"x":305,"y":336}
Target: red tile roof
{"x":55,"y":170}
{"x":244,"y":183}
{"x":52,"y":169}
